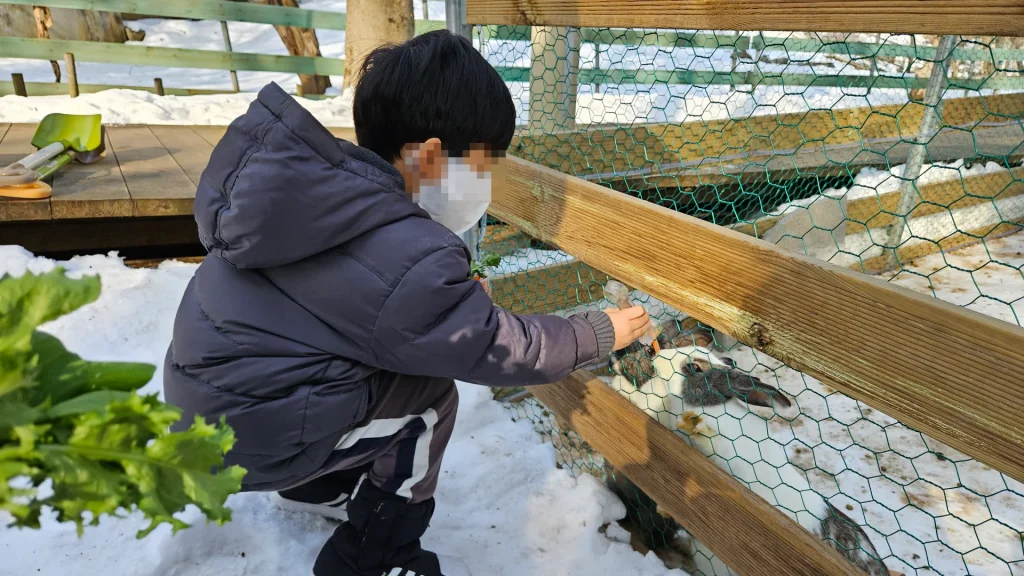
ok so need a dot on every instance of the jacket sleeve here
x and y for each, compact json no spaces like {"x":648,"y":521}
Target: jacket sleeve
{"x":439,"y":322}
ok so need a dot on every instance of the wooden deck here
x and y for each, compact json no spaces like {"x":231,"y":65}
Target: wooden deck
{"x":147,"y":171}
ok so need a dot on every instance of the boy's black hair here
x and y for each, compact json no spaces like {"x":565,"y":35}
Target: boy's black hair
{"x":435,"y":85}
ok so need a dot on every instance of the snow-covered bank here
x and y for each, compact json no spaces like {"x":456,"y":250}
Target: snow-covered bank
{"x":138,"y":107}
{"x":502,"y":504}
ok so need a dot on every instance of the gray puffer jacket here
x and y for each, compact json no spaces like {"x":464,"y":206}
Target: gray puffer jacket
{"x":322,"y":274}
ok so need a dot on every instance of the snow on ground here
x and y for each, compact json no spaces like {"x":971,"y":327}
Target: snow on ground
{"x":138,"y":107}
{"x":502,"y":504}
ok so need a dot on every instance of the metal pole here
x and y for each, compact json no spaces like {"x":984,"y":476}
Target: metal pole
{"x":227,"y":46}
{"x":455,"y":18}
{"x":908,"y":190}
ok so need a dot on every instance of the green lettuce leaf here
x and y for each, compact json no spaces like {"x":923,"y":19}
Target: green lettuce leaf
{"x":82,"y":425}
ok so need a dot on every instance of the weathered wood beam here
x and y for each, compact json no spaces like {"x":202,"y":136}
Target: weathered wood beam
{"x":712,"y":505}
{"x":980,"y":17}
{"x":906,"y":354}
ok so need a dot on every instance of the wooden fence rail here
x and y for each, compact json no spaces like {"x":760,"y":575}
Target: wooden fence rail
{"x":762,"y":41}
{"x":106,"y":52}
{"x":908,"y":355}
{"x":980,"y":17}
{"x":218,"y":10}
{"x":740,"y":527}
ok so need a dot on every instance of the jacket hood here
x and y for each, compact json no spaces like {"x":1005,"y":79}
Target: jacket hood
{"x":280,"y":188}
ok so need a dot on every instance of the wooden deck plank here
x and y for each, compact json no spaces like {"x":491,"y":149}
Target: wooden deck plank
{"x":15,"y":144}
{"x":344,"y":133}
{"x":158,"y":186}
{"x":212,"y":134}
{"x":190,"y":150}
{"x":91,"y":191}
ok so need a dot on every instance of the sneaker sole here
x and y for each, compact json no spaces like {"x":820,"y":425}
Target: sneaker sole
{"x":339,"y":513}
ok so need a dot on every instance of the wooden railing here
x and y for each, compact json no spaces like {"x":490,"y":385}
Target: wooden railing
{"x":222,"y":10}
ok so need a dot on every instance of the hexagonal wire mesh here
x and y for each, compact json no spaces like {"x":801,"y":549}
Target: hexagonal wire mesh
{"x":891,"y":154}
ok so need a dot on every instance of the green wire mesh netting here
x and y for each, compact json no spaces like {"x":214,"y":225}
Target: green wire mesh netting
{"x":893,"y":155}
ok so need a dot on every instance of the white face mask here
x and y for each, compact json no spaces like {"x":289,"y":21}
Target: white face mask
{"x":460,"y":200}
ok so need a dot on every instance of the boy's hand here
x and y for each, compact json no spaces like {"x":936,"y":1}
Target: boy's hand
{"x":629,"y":324}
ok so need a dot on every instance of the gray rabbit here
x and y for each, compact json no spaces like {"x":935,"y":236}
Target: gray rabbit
{"x":702,"y":396}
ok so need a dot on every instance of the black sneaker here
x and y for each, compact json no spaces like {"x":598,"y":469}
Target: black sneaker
{"x":327,"y":495}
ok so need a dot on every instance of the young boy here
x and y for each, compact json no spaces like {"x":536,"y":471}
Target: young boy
{"x":333,"y":312}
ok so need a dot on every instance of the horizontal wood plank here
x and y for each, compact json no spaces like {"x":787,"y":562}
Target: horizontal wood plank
{"x":978,"y":17}
{"x":158,"y":186}
{"x":911,"y":251}
{"x":91,"y":190}
{"x":906,"y":354}
{"x":41,"y":49}
{"x":955,"y":194}
{"x":764,"y":41}
{"x":190,"y":150}
{"x":55,"y":89}
{"x":712,"y":505}
{"x":705,"y":152}
{"x":212,"y":134}
{"x":548,"y":289}
{"x":219,"y":10}
{"x":15,"y":144}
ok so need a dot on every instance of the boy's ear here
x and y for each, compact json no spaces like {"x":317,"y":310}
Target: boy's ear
{"x":432,"y":161}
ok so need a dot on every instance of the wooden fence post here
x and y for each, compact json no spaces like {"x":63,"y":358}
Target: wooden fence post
{"x":227,"y":46}
{"x":158,"y":83}
{"x":69,"y":62}
{"x":19,"y":84}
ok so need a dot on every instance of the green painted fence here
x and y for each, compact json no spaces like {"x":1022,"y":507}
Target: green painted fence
{"x":55,"y":89}
{"x":171,"y":57}
{"x":219,"y":10}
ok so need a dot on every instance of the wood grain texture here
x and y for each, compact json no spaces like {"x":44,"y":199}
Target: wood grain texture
{"x":704,"y":152}
{"x":111,"y":53}
{"x":54,"y":89}
{"x":977,"y":17}
{"x":740,"y":527}
{"x":212,"y":134}
{"x":955,"y":194}
{"x":908,"y":355}
{"x":962,"y":239}
{"x":15,"y":144}
{"x":190,"y":150}
{"x":548,"y":289}
{"x":158,"y":186}
{"x":91,"y":191}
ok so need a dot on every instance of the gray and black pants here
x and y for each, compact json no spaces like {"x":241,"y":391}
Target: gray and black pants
{"x":401,"y":440}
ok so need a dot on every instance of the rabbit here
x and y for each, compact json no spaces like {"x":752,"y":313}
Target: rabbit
{"x":701,"y":395}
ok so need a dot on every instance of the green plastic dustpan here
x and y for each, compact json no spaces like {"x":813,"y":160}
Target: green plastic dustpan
{"x":81,"y":133}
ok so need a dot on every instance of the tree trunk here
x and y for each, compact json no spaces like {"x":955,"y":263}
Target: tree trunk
{"x":62,"y":24}
{"x":302,"y":42}
{"x":371,"y":24}
{"x":44,"y":21}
